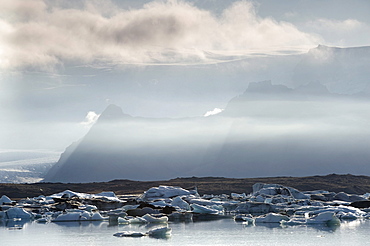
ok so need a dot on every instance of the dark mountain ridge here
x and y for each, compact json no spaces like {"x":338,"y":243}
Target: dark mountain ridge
{"x":350,"y":184}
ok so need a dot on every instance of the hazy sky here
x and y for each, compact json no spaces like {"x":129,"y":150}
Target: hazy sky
{"x":63,"y":62}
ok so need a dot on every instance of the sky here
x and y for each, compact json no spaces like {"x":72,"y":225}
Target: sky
{"x":63,"y":62}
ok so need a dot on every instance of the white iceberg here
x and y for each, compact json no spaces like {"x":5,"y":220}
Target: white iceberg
{"x":276,"y":189}
{"x":204,"y":209}
{"x":79,"y":216}
{"x":327,"y":218}
{"x":109,"y":196}
{"x":178,"y":202}
{"x":151,"y":219}
{"x":237,"y":196}
{"x":160,"y":232}
{"x":271,"y":218}
{"x":166,"y":192}
{"x":136,"y":220}
{"x":5,"y":200}
{"x":16,"y":213}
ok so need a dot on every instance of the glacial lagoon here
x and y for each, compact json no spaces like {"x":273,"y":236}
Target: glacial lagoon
{"x":168,"y":215}
{"x":219,"y":232}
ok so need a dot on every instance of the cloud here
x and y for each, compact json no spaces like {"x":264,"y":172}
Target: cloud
{"x":341,"y":32}
{"x":336,"y":25}
{"x":43,"y":35}
{"x":90,"y":119}
{"x":213,"y":112}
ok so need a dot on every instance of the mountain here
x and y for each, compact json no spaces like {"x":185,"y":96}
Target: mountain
{"x":269,"y":130}
{"x":341,"y":70}
{"x":121,"y":146}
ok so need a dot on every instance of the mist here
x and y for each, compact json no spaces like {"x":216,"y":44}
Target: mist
{"x":167,"y":64}
{"x":294,"y":134}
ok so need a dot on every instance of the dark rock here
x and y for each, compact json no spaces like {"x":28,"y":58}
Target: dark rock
{"x":142,"y":211}
{"x":360,"y":204}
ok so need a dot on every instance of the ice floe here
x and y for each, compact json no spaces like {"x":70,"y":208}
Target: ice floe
{"x":267,"y":204}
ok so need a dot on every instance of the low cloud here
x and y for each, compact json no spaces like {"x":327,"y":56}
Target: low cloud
{"x":340,"y":32}
{"x":336,"y":25}
{"x":44,"y":36}
{"x":213,"y":112}
{"x":90,"y":119}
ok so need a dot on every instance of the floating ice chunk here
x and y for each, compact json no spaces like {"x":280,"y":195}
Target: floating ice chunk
{"x":96,"y":216}
{"x":204,"y":202}
{"x":346,"y":216}
{"x":271,"y":218}
{"x":341,"y":196}
{"x":204,"y":209}
{"x":122,"y":221}
{"x":328,"y":218}
{"x":130,"y":234}
{"x":275,"y":189}
{"x":160,"y":203}
{"x":255,"y":208}
{"x":238,"y":196}
{"x":338,"y":209}
{"x":366,"y":196}
{"x":244,"y":217}
{"x":69,"y":194}
{"x":16,"y":213}
{"x":5,"y":200}
{"x":129,"y":207}
{"x":160,"y":232}
{"x":180,"y":203}
{"x":45,"y":219}
{"x":166,"y":192}
{"x":151,"y":219}
{"x":79,"y":216}
{"x":176,"y":216}
{"x":109,"y":196}
{"x":136,"y":220}
{"x":71,"y":216}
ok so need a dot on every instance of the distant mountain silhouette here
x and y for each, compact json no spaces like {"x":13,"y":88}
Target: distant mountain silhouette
{"x":341,"y":70}
{"x":269,"y":130}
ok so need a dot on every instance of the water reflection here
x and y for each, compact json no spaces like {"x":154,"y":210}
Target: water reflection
{"x":318,"y":227}
{"x":97,"y":224}
{"x":15,"y":224}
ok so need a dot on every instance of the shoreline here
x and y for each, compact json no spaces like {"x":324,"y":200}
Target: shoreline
{"x":348,"y":183}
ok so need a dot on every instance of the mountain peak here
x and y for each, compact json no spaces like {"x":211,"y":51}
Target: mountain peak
{"x":267,"y":87}
{"x":112,"y":112}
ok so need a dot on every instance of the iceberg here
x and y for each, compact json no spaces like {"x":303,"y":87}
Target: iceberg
{"x":271,"y":218}
{"x":5,"y":200}
{"x":79,"y":216}
{"x":16,"y":213}
{"x":166,"y":192}
{"x":244,"y":218}
{"x":205,"y":209}
{"x":179,"y":203}
{"x":161,"y":232}
{"x":130,"y":234}
{"x":255,"y":208}
{"x":327,"y":218}
{"x":151,"y":219}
